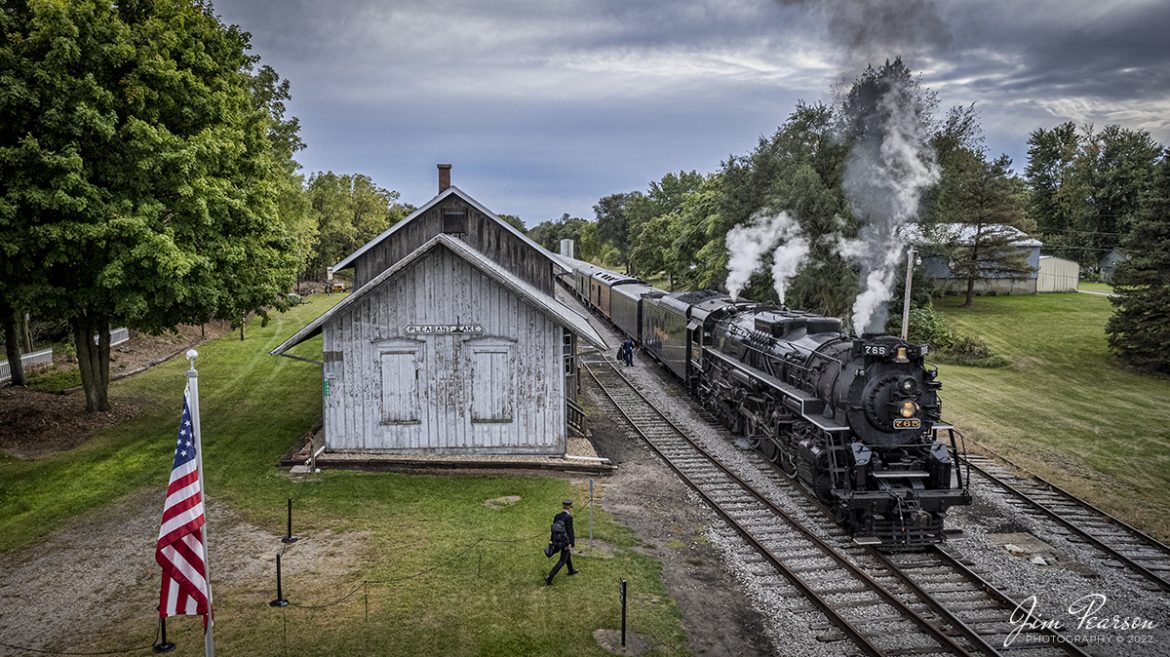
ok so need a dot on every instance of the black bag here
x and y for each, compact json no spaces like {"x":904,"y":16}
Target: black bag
{"x":549,"y":550}
{"x":559,"y":536}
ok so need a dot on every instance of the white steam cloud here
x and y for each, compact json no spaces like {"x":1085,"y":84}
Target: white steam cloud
{"x":887,"y":172}
{"x":747,"y":244}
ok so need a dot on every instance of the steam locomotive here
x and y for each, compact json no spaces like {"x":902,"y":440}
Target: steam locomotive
{"x":857,"y":421}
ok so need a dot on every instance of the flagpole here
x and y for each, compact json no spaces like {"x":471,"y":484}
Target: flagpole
{"x":193,"y":388}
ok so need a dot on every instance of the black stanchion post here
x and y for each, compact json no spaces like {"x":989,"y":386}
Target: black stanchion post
{"x":288,"y":537}
{"x":279,"y":601}
{"x":623,"y":594}
{"x":163,"y":645}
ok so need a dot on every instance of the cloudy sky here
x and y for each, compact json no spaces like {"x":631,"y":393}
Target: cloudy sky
{"x":545,"y":106}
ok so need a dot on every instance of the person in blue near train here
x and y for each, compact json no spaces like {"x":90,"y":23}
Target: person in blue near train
{"x":562,"y":539}
{"x":628,"y":352}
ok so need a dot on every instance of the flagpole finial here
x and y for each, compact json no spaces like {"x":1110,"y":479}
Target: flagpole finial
{"x":191,"y":356}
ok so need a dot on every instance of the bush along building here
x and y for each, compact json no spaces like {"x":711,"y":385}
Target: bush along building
{"x":452,"y":341}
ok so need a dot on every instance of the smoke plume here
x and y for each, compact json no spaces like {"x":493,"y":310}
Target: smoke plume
{"x":869,"y":31}
{"x":747,"y":244}
{"x":890,"y":166}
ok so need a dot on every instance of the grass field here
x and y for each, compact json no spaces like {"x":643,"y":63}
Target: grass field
{"x":1065,"y":408}
{"x":456,"y":578}
{"x":1096,"y":287}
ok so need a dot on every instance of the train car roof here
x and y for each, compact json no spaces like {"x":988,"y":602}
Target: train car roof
{"x":636,"y":290}
{"x":613,"y":278}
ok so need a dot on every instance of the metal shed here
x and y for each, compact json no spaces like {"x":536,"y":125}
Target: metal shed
{"x":1058,"y":275}
{"x":446,"y":353}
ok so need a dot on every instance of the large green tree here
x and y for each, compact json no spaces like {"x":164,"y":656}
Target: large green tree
{"x":348,"y":210}
{"x":141,"y":168}
{"x":990,"y":210}
{"x":1086,"y":187}
{"x":1139,"y":330}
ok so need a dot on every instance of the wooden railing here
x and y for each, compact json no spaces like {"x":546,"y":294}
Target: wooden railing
{"x":576,"y":416}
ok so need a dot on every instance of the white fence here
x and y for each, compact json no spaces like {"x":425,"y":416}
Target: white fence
{"x":42,"y":357}
{"x":45,"y":356}
{"x":117,"y":336}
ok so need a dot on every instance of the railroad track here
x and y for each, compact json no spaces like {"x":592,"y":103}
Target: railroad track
{"x":871,"y":601}
{"x":1082,"y":522}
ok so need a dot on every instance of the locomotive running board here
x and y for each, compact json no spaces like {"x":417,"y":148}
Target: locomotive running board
{"x":793,"y":394}
{"x":867,"y":540}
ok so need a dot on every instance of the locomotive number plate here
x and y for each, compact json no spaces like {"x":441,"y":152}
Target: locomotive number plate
{"x":912,"y":423}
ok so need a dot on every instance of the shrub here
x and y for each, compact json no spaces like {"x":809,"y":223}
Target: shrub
{"x":929,"y":326}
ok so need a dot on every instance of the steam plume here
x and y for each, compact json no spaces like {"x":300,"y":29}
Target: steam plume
{"x":890,"y":166}
{"x":747,"y":244}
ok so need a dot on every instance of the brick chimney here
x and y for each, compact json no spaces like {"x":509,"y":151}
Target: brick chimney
{"x":444,"y":177}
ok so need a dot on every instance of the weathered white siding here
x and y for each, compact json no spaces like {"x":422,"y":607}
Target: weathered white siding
{"x":499,"y":391}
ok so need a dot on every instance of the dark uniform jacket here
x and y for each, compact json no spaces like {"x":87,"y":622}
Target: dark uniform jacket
{"x":566,"y":518}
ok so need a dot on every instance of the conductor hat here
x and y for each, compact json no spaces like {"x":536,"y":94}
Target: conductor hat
{"x":566,"y":502}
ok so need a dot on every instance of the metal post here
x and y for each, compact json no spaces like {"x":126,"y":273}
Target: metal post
{"x":280,"y":601}
{"x":163,"y":645}
{"x":906,"y":298}
{"x":623,"y":594}
{"x":591,"y":513}
{"x":288,"y":537}
{"x":193,"y":386}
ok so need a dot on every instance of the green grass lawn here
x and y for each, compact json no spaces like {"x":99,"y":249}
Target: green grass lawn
{"x":1064,"y":408}
{"x":1096,"y":287}
{"x":457,"y":578}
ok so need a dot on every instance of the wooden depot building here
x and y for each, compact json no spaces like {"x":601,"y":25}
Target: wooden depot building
{"x":452,"y":341}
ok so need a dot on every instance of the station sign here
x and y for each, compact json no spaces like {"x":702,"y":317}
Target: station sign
{"x":443,"y":329}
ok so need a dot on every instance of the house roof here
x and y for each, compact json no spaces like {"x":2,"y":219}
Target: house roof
{"x":348,"y":260}
{"x":556,"y":311}
{"x":962,"y":234}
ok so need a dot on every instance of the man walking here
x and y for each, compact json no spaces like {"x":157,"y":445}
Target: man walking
{"x":563,"y":540}
{"x":628,"y":352}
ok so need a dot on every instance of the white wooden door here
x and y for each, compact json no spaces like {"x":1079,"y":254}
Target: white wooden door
{"x":402,"y":388}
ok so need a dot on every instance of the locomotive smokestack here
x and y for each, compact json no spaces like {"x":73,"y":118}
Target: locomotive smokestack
{"x":444,"y":177}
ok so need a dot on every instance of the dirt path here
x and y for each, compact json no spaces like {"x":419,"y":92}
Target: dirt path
{"x":649,"y":499}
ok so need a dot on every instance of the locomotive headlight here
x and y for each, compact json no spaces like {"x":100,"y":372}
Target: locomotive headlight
{"x":908,"y":408}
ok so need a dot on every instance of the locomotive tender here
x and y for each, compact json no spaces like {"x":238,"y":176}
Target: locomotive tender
{"x":856,"y":420}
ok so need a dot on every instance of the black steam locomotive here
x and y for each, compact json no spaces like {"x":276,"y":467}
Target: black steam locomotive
{"x":855,"y":420}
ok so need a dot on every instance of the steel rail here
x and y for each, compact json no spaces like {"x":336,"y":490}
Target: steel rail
{"x":938,"y":607}
{"x":945,"y":642}
{"x":1096,"y":541}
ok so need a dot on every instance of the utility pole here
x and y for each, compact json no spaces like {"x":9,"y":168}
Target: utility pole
{"x":906,"y":297}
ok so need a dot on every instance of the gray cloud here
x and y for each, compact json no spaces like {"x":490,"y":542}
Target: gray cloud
{"x":551,"y":105}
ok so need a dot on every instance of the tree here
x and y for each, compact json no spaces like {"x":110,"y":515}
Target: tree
{"x":613,"y":223}
{"x":140,"y":167}
{"x":1087,"y":187}
{"x":1139,"y":329}
{"x":550,"y":233}
{"x":514,"y":221}
{"x":348,"y":210}
{"x":993,"y":215}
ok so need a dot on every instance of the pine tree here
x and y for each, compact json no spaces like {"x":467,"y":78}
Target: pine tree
{"x":1139,"y":330}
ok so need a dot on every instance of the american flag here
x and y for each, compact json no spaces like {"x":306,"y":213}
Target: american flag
{"x":181,"y":551}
